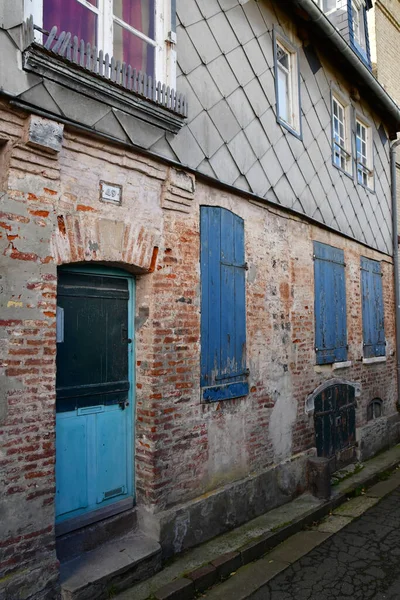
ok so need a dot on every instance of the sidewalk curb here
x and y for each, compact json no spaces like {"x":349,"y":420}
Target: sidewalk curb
{"x":259,"y":546}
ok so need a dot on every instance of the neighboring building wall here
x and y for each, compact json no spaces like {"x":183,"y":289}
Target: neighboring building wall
{"x":184,"y":449}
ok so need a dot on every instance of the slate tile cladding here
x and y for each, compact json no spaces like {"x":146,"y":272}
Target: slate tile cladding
{"x":243,"y":74}
{"x":51,"y":215}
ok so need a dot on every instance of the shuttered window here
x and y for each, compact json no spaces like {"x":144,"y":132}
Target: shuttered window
{"x":223,"y":305}
{"x":330,"y":304}
{"x":372,"y":308}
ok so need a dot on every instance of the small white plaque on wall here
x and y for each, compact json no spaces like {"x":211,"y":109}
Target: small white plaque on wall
{"x":111,"y":193}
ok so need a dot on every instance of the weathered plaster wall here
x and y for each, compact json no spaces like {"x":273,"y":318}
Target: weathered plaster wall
{"x":51,"y":214}
{"x":226,"y":69}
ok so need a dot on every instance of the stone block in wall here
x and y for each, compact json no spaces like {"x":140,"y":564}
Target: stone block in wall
{"x":377,"y":435}
{"x":178,"y":191}
{"x":44,"y":134}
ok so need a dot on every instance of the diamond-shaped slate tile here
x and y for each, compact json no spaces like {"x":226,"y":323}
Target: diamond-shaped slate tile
{"x":268,"y":14}
{"x":267,"y":82}
{"x":241,"y":107}
{"x":257,"y":138}
{"x":163,"y":148}
{"x":284,"y":192}
{"x":306,"y":167}
{"x":223,"y":76}
{"x":315,"y":155}
{"x":255,"y":57}
{"x":242,"y":184}
{"x":208,"y":8}
{"x":111,"y":126}
{"x":188,"y":12}
{"x":271,"y":127}
{"x":206,"y":168}
{"x":204,"y":87}
{"x":256,"y":97}
{"x":76,"y":106}
{"x":188,"y":58}
{"x":240,"y":24}
{"x":242,"y":153}
{"x":284,"y":154}
{"x":272,"y":167}
{"x":267,"y":48}
{"x":296,"y":145}
{"x":296,"y":179}
{"x":139,"y":132}
{"x":224,"y":120}
{"x":183,"y":87}
{"x":186,"y":148}
{"x":206,"y":134}
{"x":307,"y":201}
{"x":203,"y":40}
{"x":224,"y":166}
{"x":39,"y":96}
{"x":323,"y":114}
{"x":257,"y":179}
{"x":223,"y":33}
{"x":254,"y":17}
{"x":240,"y":66}
{"x":227,"y":4}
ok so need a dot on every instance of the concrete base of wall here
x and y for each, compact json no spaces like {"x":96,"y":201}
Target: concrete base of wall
{"x":377,"y":435}
{"x":203,"y":518}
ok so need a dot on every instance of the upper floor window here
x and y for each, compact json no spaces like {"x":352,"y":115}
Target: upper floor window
{"x":132,"y":31}
{"x":287,"y":84}
{"x":327,"y":6}
{"x":340,"y":133}
{"x":364,"y":154}
{"x":357,"y":9}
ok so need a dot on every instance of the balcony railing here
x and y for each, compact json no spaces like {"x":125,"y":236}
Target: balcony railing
{"x":84,"y":56}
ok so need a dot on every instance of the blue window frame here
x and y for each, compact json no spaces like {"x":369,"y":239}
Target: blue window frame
{"x":223,"y":305}
{"x":330,"y":304}
{"x":372,"y":308}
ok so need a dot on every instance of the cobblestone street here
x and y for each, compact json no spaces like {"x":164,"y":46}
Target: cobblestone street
{"x":360,"y":562}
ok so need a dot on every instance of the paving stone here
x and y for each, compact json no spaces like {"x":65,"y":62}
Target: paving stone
{"x":204,"y":577}
{"x":255,"y":549}
{"x":356,"y":506}
{"x":333,"y":524}
{"x":297,"y":546}
{"x":227,"y":564}
{"x":383,"y":488}
{"x":180,"y":589}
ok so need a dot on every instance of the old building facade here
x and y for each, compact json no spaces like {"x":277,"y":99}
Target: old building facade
{"x":189,"y":281}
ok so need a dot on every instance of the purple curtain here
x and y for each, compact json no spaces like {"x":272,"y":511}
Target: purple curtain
{"x":135,"y":51}
{"x":70,"y":15}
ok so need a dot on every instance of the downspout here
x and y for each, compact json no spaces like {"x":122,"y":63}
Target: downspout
{"x":393,"y":148}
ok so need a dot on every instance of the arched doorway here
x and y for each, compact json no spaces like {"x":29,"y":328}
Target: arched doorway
{"x":94,"y":395}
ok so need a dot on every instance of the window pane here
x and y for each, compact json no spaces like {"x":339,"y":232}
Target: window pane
{"x":283,"y":95}
{"x":133,"y":51}
{"x":70,"y":15}
{"x":283,"y":57}
{"x":139,"y":14}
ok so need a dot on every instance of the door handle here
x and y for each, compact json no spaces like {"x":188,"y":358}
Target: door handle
{"x":123,"y":405}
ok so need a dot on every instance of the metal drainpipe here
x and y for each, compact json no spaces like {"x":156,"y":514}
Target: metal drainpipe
{"x":396,"y":261}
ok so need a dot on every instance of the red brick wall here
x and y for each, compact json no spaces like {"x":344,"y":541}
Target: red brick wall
{"x":52,"y":215}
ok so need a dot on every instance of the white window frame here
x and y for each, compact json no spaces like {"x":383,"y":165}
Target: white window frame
{"x":341,"y":147}
{"x":164,"y":42}
{"x":293,"y":123}
{"x":367,"y":168}
{"x":357,"y":8}
{"x":326,"y":12}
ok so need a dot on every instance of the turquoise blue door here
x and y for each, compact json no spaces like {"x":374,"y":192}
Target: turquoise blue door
{"x":95,"y":398}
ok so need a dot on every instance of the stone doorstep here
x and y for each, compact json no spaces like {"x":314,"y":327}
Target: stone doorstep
{"x":257,"y":548}
{"x":110,"y":568}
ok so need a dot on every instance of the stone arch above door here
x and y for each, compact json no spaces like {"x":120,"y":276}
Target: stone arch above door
{"x":310,"y":400}
{"x":88,"y":237}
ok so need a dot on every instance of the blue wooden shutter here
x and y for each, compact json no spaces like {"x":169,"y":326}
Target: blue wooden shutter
{"x":372,"y":308}
{"x":223,"y":305}
{"x":330,"y":304}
